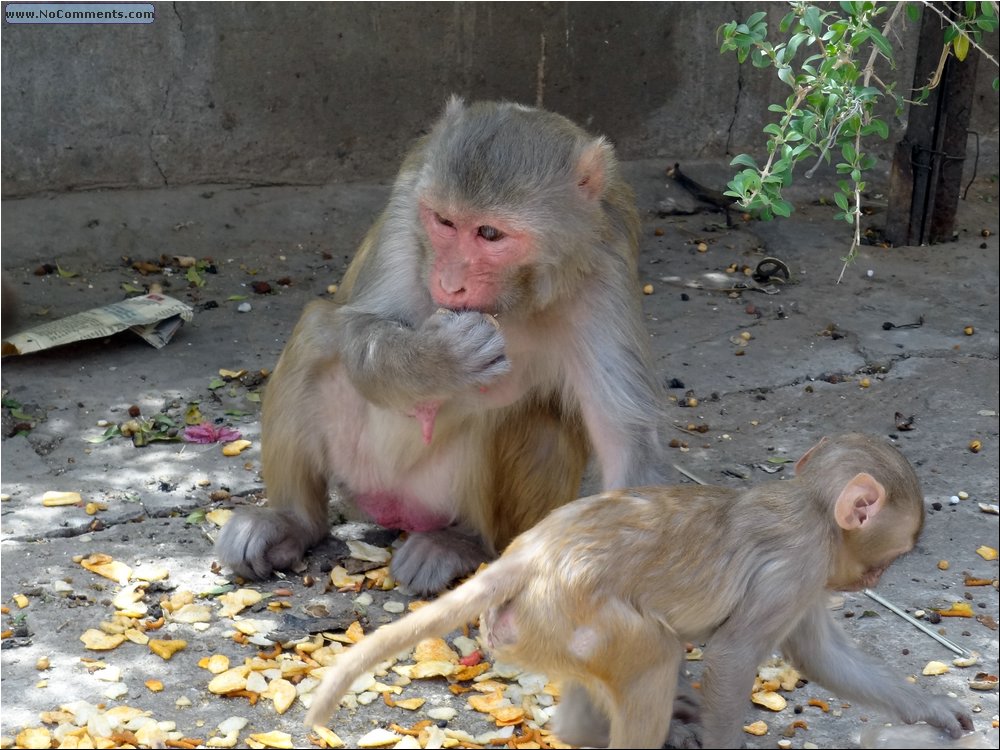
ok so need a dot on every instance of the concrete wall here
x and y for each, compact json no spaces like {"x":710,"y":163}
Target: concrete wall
{"x":305,"y":93}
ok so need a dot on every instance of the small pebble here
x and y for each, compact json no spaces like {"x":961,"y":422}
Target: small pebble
{"x":394,"y":607}
{"x":244,"y":307}
{"x":963,"y":495}
{"x":953,"y":500}
{"x":870,"y":273}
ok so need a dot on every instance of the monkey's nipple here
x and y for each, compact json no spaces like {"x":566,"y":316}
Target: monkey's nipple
{"x":425,"y":414}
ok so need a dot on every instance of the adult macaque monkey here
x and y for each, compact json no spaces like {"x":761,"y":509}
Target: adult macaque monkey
{"x":605,"y":591}
{"x":485,"y":338}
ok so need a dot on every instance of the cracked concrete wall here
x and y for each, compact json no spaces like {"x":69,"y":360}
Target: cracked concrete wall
{"x":306,"y":93}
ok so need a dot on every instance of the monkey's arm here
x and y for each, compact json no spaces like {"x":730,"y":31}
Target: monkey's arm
{"x":397,"y":365}
{"x":621,"y":403}
{"x":826,"y":654}
{"x":742,"y":642}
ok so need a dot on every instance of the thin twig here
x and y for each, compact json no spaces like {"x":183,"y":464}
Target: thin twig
{"x":919,"y":625}
{"x":950,"y":22}
{"x":694,"y":478}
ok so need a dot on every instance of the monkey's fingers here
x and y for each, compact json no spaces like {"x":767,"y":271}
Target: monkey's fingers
{"x":428,"y":561}
{"x":257,"y":541}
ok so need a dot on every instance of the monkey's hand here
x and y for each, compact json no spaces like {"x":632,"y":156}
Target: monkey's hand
{"x":430,"y":560}
{"x":939,"y":711}
{"x":463,"y":349}
{"x":254,"y":542}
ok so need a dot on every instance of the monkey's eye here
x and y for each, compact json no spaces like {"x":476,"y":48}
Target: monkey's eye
{"x":490,"y":234}
{"x":443,"y":221}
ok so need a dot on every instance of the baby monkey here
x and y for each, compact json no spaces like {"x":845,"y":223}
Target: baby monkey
{"x":604,"y":592}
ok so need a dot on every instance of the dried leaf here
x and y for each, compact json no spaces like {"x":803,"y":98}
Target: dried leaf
{"x":758,"y":729}
{"x":206,"y":432}
{"x":987,"y":553}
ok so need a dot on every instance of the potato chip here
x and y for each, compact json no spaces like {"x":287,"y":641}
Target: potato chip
{"x":97,"y":640}
{"x":769,"y":700}
{"x":273,"y":739}
{"x":329,"y":737}
{"x":166,"y":649}
{"x":935,"y":668}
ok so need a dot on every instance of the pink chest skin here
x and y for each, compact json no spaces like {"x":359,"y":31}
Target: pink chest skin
{"x":394,"y":512}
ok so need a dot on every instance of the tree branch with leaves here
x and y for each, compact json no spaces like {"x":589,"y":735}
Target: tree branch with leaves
{"x":832,"y":105}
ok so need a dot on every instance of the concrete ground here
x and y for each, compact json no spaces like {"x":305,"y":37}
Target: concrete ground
{"x":819,"y":360}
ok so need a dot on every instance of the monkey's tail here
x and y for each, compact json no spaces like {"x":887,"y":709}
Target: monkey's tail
{"x":493,"y":586}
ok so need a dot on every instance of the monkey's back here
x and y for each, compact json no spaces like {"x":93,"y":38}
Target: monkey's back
{"x":658,"y":553}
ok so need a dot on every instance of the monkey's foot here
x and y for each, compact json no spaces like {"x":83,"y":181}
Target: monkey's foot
{"x":257,"y":541}
{"x":429,"y":561}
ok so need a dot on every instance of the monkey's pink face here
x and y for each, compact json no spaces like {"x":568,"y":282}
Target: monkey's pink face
{"x":474,"y":259}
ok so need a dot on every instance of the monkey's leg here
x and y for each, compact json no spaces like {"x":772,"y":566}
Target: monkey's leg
{"x":257,"y":541}
{"x":731,"y":660}
{"x":578,"y":720}
{"x":642,"y":703}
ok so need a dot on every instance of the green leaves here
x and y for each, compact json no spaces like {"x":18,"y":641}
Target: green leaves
{"x":827,"y":56}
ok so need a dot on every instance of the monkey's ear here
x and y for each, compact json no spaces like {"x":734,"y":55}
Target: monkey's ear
{"x":591,"y":169}
{"x":860,"y":500}
{"x":807,"y":455}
